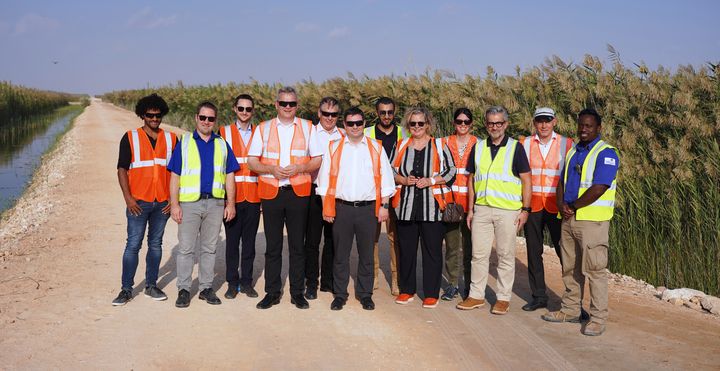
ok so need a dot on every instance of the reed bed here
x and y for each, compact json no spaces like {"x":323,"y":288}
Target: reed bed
{"x":18,"y":102}
{"x":664,"y":123}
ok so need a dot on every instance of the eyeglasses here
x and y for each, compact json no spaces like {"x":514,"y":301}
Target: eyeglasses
{"x":206,"y":118}
{"x":412,"y":124}
{"x":349,"y":124}
{"x":386,"y":113}
{"x":329,"y":114}
{"x":283,"y":103}
{"x":495,"y":124}
{"x":153,"y":115}
{"x":463,"y":122}
{"x":244,"y":109}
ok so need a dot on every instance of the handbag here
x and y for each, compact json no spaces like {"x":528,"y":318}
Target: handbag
{"x":454,"y":212}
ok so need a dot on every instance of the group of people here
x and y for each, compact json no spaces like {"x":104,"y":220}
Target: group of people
{"x":345,"y":183}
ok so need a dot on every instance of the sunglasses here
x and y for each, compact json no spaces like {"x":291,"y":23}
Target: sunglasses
{"x":329,"y":114}
{"x":412,"y":124}
{"x":349,"y":124}
{"x":463,"y":122}
{"x":153,"y":115}
{"x":495,"y":124}
{"x":386,"y":113}
{"x":244,"y":109}
{"x":283,"y":103}
{"x":206,"y":118}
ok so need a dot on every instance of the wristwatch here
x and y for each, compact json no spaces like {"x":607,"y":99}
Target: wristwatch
{"x":528,"y":209}
{"x":385,"y":205}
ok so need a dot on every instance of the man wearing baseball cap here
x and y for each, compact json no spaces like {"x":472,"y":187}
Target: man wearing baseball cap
{"x":546,"y":151}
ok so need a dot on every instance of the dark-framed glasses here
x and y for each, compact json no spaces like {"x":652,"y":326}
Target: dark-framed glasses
{"x":244,"y":109}
{"x":283,"y":103}
{"x":463,"y":122}
{"x":496,"y":124}
{"x":329,"y":114}
{"x":153,"y":115}
{"x":413,"y":124}
{"x":349,"y":124}
{"x":206,"y":118}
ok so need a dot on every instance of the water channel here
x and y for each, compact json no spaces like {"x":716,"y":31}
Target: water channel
{"x":22,"y":144}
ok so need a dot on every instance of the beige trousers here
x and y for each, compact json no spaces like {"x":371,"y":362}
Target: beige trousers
{"x":391,"y":228}
{"x":584,"y":248}
{"x":492,"y":224}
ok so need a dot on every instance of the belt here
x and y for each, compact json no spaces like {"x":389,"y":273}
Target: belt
{"x":285,"y":187}
{"x":205,"y":196}
{"x":356,"y":203}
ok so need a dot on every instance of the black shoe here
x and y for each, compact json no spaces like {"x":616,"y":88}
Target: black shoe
{"x":325,"y":289}
{"x":209,"y":296}
{"x":311,"y":293}
{"x":367,"y":303}
{"x":123,"y":297}
{"x":249,"y":291}
{"x":183,"y":300}
{"x":268,"y":301}
{"x":155,"y":293}
{"x":337,"y":304}
{"x":534,"y":305}
{"x":299,"y":301}
{"x":231,"y":292}
{"x":584,"y":316}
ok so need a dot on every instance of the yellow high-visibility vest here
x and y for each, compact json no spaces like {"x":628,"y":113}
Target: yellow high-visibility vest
{"x":604,"y":207}
{"x":495,"y":183}
{"x":190,"y":173}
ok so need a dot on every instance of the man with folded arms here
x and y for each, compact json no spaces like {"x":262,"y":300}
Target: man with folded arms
{"x":356,"y":183}
{"x":202,"y":169}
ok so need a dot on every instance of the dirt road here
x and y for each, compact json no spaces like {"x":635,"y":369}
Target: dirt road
{"x":58,"y":278}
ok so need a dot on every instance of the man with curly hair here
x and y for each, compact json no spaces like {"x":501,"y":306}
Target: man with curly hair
{"x":144,"y":181}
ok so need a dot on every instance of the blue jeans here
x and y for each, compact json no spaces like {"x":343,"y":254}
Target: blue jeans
{"x":153,"y":218}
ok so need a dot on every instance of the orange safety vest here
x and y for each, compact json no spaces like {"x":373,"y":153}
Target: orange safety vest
{"x":460,"y":186}
{"x":441,"y":193}
{"x":546,"y":172}
{"x":148,"y":175}
{"x":336,"y":155}
{"x":267,"y":183}
{"x":246,"y":181}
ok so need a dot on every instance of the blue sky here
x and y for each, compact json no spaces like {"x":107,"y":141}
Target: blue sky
{"x":101,"y":46}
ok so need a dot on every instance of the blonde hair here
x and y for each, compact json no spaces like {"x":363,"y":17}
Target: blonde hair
{"x":429,"y":119}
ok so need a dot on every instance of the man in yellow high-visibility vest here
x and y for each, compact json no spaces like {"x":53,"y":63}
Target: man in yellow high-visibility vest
{"x":586,"y":200}
{"x":202,"y":167}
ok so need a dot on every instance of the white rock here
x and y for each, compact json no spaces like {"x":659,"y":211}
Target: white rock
{"x":684,"y":294}
{"x":711,"y":304}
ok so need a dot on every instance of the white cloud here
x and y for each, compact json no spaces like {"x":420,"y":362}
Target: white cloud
{"x":35,"y":23}
{"x":338,"y":32}
{"x":306,"y":27}
{"x":146,"y":19}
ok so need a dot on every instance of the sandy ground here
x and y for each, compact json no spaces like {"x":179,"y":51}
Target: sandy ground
{"x":60,"y":263}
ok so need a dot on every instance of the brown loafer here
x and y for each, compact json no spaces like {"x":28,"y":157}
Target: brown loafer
{"x":470,"y":303}
{"x":500,"y":307}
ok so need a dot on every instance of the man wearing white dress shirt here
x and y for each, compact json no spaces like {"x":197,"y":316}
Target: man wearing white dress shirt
{"x":326,"y":131}
{"x":283,"y":153}
{"x":356,"y":183}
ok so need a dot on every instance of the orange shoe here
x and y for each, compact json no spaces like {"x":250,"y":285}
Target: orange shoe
{"x":430,"y":303}
{"x":404,"y":299}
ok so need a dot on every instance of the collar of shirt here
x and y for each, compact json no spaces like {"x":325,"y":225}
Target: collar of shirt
{"x":363,"y":140}
{"x":237,"y":124}
{"x":554,"y":135}
{"x":331,"y":132}
{"x":196,"y":136}
{"x":503,"y":142}
{"x":393,"y":132}
{"x":586,"y":147}
{"x":295,"y":121}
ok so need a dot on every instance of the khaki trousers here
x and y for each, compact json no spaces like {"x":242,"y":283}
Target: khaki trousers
{"x":391,"y":226}
{"x":584,"y":248}
{"x":488,"y":224}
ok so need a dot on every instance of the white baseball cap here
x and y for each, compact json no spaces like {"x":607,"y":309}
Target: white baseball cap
{"x":544,"y":111}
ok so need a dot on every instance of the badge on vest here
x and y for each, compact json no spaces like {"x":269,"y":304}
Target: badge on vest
{"x":609,"y":161}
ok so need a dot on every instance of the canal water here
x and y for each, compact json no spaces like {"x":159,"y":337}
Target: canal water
{"x":22,"y":144}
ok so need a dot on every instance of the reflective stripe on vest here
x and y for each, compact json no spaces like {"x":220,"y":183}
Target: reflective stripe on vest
{"x":604,"y":207}
{"x":545,"y":172}
{"x":245,"y":180}
{"x":495,"y":183}
{"x":148,"y":177}
{"x":190,"y":173}
{"x":299,"y":154}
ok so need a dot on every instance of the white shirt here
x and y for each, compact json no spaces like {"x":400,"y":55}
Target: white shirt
{"x":355,"y":178}
{"x":323,"y":138}
{"x":244,"y":134}
{"x":285,"y":135}
{"x":545,"y":148}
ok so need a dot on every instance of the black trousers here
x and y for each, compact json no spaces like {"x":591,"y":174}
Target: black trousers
{"x":359,"y":224}
{"x":534,"y":235}
{"x":290,"y":211}
{"x":409,"y":234}
{"x":243,"y":227}
{"x":317,"y":227}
